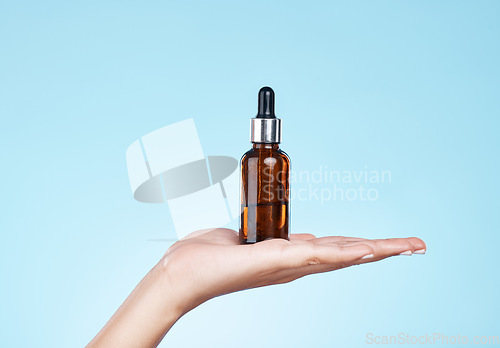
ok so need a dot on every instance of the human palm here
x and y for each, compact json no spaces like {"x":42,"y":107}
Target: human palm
{"x":210,"y":263}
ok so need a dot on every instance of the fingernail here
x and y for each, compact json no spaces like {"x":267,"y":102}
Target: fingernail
{"x":421,"y":251}
{"x":407,"y":252}
{"x":369,"y":256}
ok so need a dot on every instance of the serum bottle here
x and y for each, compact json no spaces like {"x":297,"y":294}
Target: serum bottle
{"x":264,"y":178}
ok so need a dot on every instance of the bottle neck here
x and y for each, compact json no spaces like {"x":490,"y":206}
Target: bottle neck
{"x":265,"y":146}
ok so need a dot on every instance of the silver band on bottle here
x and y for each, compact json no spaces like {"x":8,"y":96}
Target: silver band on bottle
{"x":265,"y":130}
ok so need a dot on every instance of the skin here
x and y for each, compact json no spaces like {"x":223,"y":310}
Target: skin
{"x":210,"y":263}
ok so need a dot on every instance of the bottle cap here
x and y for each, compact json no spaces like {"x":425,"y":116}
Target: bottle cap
{"x":265,"y":127}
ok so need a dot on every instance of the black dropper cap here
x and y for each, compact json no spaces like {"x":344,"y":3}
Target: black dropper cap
{"x":266,"y":103}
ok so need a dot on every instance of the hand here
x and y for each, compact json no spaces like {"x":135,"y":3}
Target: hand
{"x":210,"y":263}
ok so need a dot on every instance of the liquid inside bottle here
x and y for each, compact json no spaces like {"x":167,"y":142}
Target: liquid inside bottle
{"x":265,"y":207}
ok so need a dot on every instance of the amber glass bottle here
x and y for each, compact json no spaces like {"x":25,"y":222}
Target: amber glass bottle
{"x":265,"y":173}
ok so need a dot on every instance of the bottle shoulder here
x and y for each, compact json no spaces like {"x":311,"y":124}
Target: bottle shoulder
{"x":277,"y":154}
{"x":245,"y":155}
{"x":284,"y":155}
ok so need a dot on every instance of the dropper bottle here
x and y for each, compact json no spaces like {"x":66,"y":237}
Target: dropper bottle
{"x":265,"y":174}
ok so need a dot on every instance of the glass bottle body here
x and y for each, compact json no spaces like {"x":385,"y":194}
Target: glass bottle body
{"x":265,"y":194}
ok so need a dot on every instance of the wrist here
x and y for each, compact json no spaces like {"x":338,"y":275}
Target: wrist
{"x":178,"y":293}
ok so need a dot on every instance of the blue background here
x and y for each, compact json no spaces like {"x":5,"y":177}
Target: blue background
{"x":410,"y":87}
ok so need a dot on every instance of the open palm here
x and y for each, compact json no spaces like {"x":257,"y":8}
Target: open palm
{"x":210,"y":263}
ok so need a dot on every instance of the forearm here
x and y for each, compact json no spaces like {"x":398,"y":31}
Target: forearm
{"x":146,"y":315}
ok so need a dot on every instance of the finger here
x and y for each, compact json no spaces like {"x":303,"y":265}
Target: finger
{"x":354,"y":253}
{"x":412,"y":244}
{"x":418,"y":244}
{"x":302,"y":236}
{"x":336,"y":239}
{"x":300,"y":255}
{"x":327,"y":258}
{"x":383,"y":248}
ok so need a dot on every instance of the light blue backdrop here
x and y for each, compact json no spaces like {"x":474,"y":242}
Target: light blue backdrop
{"x":409,"y":87}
